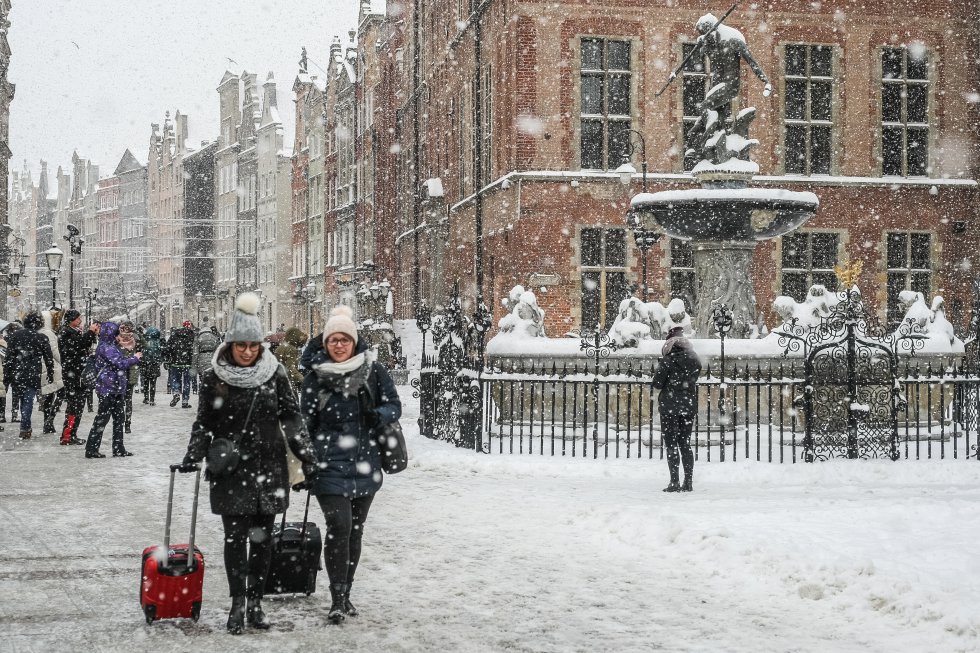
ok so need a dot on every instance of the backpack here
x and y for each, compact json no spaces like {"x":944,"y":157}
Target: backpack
{"x":90,"y":373}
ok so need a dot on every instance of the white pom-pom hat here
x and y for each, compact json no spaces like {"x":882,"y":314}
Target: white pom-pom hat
{"x":245,"y":324}
{"x":341,"y":321}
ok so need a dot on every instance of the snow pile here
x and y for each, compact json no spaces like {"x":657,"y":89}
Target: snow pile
{"x":525,"y":318}
{"x":637,"y":321}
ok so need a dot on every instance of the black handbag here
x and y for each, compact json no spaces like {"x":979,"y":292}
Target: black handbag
{"x":223,"y":453}
{"x":391,"y":441}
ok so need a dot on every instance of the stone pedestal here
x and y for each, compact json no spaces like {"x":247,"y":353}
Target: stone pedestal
{"x":723,"y":273}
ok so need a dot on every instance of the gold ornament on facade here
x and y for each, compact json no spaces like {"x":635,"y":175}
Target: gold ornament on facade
{"x":848,"y":273}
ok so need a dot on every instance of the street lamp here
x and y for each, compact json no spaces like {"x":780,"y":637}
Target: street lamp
{"x":645,"y":240}
{"x":90,"y":296}
{"x":75,"y":249}
{"x":626,"y":171}
{"x":53,"y":257}
{"x":199,"y":296}
{"x":310,"y":292}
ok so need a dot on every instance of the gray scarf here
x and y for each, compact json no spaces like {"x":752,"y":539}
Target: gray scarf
{"x":244,"y":377}
{"x":347,"y":377}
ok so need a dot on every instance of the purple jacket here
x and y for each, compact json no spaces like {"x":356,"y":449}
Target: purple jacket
{"x":111,"y":363}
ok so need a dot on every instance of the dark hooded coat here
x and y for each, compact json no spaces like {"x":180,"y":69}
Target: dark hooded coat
{"x":677,"y":377}
{"x":179,"y":350}
{"x":350,"y":459}
{"x":288,"y":354}
{"x":26,"y":349}
{"x":75,"y":346}
{"x":260,"y":484}
{"x":152,"y":353}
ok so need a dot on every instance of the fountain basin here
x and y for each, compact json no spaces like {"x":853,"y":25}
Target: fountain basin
{"x":727,"y":214}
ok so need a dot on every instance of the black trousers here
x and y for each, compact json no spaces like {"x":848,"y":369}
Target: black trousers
{"x":345,"y":526}
{"x":114,"y":407}
{"x":248,"y":552}
{"x":50,"y":405}
{"x":129,"y":404}
{"x":676,"y":431}
{"x":74,"y":405}
{"x":149,"y":387}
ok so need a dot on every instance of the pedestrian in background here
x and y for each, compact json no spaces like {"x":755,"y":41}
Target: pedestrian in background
{"x":129,"y":345}
{"x":11,"y":329}
{"x":110,"y":385}
{"x":677,"y":380}
{"x":51,"y":394}
{"x":288,"y":354}
{"x":205,"y":345}
{"x":180,"y":353}
{"x":247,"y":395}
{"x":150,"y":364}
{"x":346,"y":398}
{"x":74,"y":346}
{"x":26,"y":351}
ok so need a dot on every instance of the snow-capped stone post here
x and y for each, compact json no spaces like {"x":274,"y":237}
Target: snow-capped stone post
{"x":724,"y":218}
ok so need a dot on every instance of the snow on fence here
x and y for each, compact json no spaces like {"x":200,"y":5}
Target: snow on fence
{"x":756,"y":413}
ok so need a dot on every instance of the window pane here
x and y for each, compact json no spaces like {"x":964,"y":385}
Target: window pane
{"x":794,"y":250}
{"x":918,"y":152}
{"x":796,"y":60}
{"x":591,"y":247}
{"x":917,"y":102}
{"x":795,"y":155}
{"x":693,"y":93}
{"x":619,"y":95}
{"x":592,"y":54}
{"x":920,"y":251}
{"x":820,"y":150}
{"x":826,"y":279}
{"x":592,"y":144}
{"x":681,"y":254}
{"x":592,"y":94}
{"x":616,"y":291}
{"x":619,"y":55}
{"x":690,"y":160}
{"x":618,"y":142}
{"x":896,"y":284}
{"x":891,"y":63}
{"x":897,"y":250}
{"x":824,"y":250}
{"x":695,"y":65}
{"x":616,"y":247}
{"x":590,"y":301}
{"x":891,"y":150}
{"x":820,"y":101}
{"x":917,"y":65}
{"x":821,"y":60}
{"x":919,"y":282}
{"x":795,"y":99}
{"x":794,"y":285}
{"x":891,"y":102}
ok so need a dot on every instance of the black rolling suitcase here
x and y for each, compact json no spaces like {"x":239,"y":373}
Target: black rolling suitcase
{"x":296,"y":548}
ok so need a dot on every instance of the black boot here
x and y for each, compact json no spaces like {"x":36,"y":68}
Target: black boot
{"x":256,"y":616}
{"x":687,"y":461}
{"x":337,"y":593}
{"x":687,"y":486}
{"x":673,"y":465}
{"x":236,"y":617}
{"x":349,"y":608}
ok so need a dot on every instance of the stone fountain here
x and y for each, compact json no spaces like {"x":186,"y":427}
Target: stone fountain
{"x":725,"y":218}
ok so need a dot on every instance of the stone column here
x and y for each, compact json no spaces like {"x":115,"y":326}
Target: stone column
{"x":722,"y":272}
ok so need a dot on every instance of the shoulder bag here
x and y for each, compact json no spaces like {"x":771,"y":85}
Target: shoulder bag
{"x":223,"y":453}
{"x":391,"y":440}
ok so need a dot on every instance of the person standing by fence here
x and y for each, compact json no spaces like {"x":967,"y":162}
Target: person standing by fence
{"x":677,"y":380}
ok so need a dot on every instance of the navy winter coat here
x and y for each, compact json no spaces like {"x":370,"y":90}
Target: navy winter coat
{"x":677,"y":379}
{"x":350,"y":460}
{"x":26,"y":349}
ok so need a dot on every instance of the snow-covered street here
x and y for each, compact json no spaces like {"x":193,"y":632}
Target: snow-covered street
{"x":470,"y":552}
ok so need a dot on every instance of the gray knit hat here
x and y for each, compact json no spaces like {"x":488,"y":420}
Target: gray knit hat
{"x":245,"y":324}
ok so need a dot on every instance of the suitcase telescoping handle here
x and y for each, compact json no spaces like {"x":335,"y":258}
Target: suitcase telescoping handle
{"x":170,"y":510}
{"x":306,"y":515}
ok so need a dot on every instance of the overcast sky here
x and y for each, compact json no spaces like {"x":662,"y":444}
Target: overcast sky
{"x":92,"y":75}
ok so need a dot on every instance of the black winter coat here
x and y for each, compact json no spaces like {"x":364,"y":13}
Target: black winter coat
{"x":677,"y":379}
{"x":179,"y":350}
{"x":25,"y":351}
{"x":75,"y":346}
{"x":260,"y":484}
{"x":350,"y":459}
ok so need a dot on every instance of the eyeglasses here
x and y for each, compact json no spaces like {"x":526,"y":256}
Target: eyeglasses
{"x":247,"y":346}
{"x":339,"y":342}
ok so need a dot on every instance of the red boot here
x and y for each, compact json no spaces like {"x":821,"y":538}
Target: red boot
{"x":66,"y":435}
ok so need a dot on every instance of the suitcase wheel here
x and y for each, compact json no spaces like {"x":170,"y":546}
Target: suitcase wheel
{"x":311,"y":583}
{"x":196,"y":610}
{"x":150,"y":612}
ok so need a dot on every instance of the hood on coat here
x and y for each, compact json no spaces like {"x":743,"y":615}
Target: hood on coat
{"x":108,"y":332}
{"x":296,"y":336}
{"x":152,"y":333}
{"x":33,"y":321}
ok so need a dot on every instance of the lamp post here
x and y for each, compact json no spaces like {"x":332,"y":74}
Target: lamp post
{"x":199,"y":296}
{"x":626,"y":171}
{"x":645,"y":238}
{"x":53,"y":256}
{"x":723,"y":319}
{"x":310,"y":293}
{"x":90,"y":296}
{"x":75,"y":249}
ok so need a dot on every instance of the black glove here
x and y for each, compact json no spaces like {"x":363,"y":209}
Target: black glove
{"x":187,"y":466}
{"x":310,"y":471}
{"x":372,"y":418}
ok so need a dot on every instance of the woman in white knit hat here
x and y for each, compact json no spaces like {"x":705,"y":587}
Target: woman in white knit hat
{"x":345,"y":398}
{"x":246,"y":395}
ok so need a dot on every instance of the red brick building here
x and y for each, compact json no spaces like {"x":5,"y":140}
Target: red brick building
{"x":510,"y":119}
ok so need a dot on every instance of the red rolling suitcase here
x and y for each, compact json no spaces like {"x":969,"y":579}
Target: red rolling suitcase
{"x":173,"y":580}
